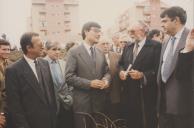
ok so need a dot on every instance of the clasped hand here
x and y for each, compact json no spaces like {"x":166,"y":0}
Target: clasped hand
{"x":99,"y":84}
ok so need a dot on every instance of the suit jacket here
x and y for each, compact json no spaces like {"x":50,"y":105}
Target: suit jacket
{"x":185,"y":72}
{"x":2,"y":84}
{"x":80,"y":70}
{"x":147,"y":62}
{"x":176,"y":93}
{"x":115,"y":88}
{"x":27,"y":105}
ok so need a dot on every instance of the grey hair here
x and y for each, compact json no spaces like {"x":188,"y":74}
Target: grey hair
{"x":144,"y":26}
{"x":49,"y":44}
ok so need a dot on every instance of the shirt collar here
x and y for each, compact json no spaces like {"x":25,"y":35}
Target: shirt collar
{"x":179,"y":33}
{"x":87,"y":46}
{"x":49,"y":59}
{"x":29,"y":60}
{"x":141,"y":43}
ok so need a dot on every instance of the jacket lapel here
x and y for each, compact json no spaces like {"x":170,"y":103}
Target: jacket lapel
{"x":85,"y":56}
{"x":180,"y":46}
{"x":99,"y":60}
{"x":143,"y":52}
{"x":129,"y":54}
{"x":62,"y":67}
{"x":32,"y":80}
{"x":161,"y":59}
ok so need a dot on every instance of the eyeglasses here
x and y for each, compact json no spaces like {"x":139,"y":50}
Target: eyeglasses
{"x":131,"y":31}
{"x":55,"y":49}
{"x":124,"y":42}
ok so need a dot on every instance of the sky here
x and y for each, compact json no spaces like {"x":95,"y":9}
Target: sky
{"x":14,"y":13}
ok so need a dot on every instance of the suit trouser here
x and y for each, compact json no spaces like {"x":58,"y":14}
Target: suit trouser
{"x":65,"y":118}
{"x":84,"y":120}
{"x":175,"y":121}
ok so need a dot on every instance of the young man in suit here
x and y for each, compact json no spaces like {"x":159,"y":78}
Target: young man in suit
{"x":4,"y":62}
{"x":57,"y":67}
{"x":174,"y":94}
{"x":87,"y":71}
{"x":29,"y":87}
{"x":138,"y":98}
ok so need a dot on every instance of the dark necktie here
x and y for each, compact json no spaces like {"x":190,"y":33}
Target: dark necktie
{"x":92,"y":52}
{"x":43,"y":87}
{"x":167,"y":65}
{"x":135,"y":51}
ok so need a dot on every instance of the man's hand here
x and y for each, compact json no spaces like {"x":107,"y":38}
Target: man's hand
{"x":189,"y":46}
{"x":135,"y":74}
{"x":123,"y":75}
{"x":2,"y":121}
{"x":106,"y":84}
{"x":97,"y":84}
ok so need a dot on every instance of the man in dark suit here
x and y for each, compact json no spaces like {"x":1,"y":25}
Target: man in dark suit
{"x":174,"y":99}
{"x":87,"y":70}
{"x":139,"y":89}
{"x":29,"y":87}
{"x":185,"y":66}
{"x":112,"y":59}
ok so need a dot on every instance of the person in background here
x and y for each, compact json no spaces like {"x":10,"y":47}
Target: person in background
{"x":57,"y":67}
{"x":112,"y":59}
{"x":4,"y":62}
{"x":156,"y":35}
{"x":123,"y":40}
{"x":115,"y":40}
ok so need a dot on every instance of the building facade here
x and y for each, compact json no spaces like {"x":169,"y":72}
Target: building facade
{"x":147,"y":11}
{"x":54,"y":19}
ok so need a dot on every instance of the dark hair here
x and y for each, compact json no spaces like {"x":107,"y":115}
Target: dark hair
{"x":152,"y":33}
{"x":4,"y":42}
{"x":175,"y":12}
{"x":69,"y":45}
{"x":26,"y":40}
{"x":87,"y":26}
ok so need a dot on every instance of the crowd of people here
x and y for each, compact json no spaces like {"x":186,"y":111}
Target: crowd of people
{"x":146,"y":82}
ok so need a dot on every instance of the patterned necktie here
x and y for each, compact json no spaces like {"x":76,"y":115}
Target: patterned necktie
{"x":135,"y":51}
{"x":167,"y":65}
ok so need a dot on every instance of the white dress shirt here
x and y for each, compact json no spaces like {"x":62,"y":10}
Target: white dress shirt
{"x":177,"y":36}
{"x":32,"y":65}
{"x":107,"y":59}
{"x":141,"y":44}
{"x":87,"y":46}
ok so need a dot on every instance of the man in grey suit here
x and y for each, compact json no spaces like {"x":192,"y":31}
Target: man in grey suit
{"x":29,"y":88}
{"x":174,"y":99}
{"x":87,"y":70}
{"x":57,"y":67}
